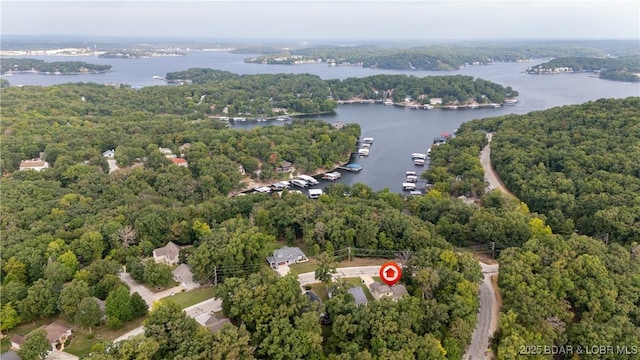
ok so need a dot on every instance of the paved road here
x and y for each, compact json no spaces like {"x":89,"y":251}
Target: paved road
{"x":113,"y":166}
{"x":148,"y":295}
{"x":490,"y":174}
{"x":487,"y":317}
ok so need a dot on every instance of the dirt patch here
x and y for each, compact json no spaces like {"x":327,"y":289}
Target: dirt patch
{"x":485,"y":258}
{"x":362,"y":262}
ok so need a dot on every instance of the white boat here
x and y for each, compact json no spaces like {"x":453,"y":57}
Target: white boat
{"x":261,"y":119}
{"x":388,"y":103}
{"x":281,"y":119}
{"x":363,"y":152}
{"x":332,"y":176}
{"x":239,"y":119}
{"x":223,"y":118}
{"x":427,"y":107}
{"x":263,"y":189}
{"x":410,"y":173}
{"x":315,"y":193}
{"x":280,"y":185}
{"x":412,"y":178}
{"x":419,"y":162}
{"x":366,"y":146}
{"x":415,"y":192}
{"x":408,"y":186}
{"x":308,"y":179}
{"x":421,"y":156}
{"x":367,"y":140}
{"x":299,"y":183}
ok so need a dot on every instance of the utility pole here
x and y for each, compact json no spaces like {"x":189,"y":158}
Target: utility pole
{"x":493,"y":250}
{"x":349,"y":253}
{"x":215,"y":275}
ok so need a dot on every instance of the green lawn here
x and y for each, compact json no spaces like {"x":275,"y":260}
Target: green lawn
{"x":304,"y":267}
{"x":189,"y":298}
{"x":320,"y":290}
{"x":82,"y":340}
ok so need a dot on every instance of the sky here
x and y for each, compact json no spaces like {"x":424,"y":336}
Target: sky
{"x":312,"y":19}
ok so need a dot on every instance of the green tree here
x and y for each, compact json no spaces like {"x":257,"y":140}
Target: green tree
{"x":36,"y":346}
{"x":326,"y":268}
{"x":71,"y":296}
{"x":9,"y":317}
{"x":118,"y":304}
{"x":170,"y":327}
{"x":40,"y":301}
{"x":157,"y":275}
{"x":88,"y":314}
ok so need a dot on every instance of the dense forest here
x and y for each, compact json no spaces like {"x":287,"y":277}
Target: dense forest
{"x":621,"y":69}
{"x":56,"y":67}
{"x":456,"y":88}
{"x":578,"y":165}
{"x":67,"y":231}
{"x":440,"y":56}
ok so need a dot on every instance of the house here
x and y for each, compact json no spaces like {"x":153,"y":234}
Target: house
{"x":180,"y":162}
{"x":109,"y":154}
{"x":168,"y":254}
{"x":286,"y":256}
{"x":17,"y":341}
{"x":435,"y":101}
{"x":285,"y":166}
{"x":184,"y":276}
{"x":216,"y":324}
{"x":168,"y":153}
{"x":399,"y":291}
{"x":378,"y":290}
{"x":33,"y":164}
{"x":358,"y":295}
{"x":57,"y":334}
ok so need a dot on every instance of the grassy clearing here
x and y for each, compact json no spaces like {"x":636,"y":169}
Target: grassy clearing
{"x":82,"y":341}
{"x":189,"y":298}
{"x":305,"y":267}
{"x":320,"y":290}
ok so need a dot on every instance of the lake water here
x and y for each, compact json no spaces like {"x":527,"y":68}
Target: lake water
{"x":398,"y":132}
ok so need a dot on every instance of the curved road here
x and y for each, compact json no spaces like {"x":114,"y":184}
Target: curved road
{"x":489,"y":174}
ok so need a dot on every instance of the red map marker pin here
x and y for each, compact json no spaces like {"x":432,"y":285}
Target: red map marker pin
{"x":390,"y":273}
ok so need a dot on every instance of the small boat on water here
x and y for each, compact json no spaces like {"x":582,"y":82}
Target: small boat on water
{"x":419,"y":162}
{"x":410,"y":173}
{"x":308,"y":179}
{"x":427,"y":107}
{"x":332,"y":176}
{"x":315,"y":193}
{"x":299,"y":183}
{"x":363,"y":152}
{"x":367,"y":140}
{"x":388,"y":103}
{"x":239,"y":119}
{"x":352,"y":167}
{"x":408,"y":186}
{"x":415,"y":156}
{"x":261,"y":119}
{"x":412,"y":178}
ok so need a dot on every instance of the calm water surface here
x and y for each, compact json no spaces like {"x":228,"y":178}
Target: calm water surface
{"x":398,"y":132}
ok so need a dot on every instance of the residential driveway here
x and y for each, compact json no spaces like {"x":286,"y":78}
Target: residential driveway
{"x":357,"y":271}
{"x":112,"y":165}
{"x":149,"y":296}
{"x":487,"y":316}
{"x":60,"y":355}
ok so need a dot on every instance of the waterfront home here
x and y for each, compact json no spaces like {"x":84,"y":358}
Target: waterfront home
{"x":33,"y":164}
{"x":285,"y":166}
{"x":286,"y":256}
{"x":435,"y":101}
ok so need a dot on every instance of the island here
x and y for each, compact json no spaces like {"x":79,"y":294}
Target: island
{"x":619,"y":69}
{"x":34,"y":66}
{"x":139,"y":54}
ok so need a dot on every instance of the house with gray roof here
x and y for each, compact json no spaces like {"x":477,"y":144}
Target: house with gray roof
{"x":286,"y":256}
{"x":168,"y":254}
{"x":358,"y":295}
{"x":184,"y":276}
{"x":215,"y":323}
{"x":399,"y":291}
{"x":379,"y":290}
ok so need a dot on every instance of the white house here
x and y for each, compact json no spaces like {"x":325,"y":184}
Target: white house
{"x":109,"y":154}
{"x":33,"y":164}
